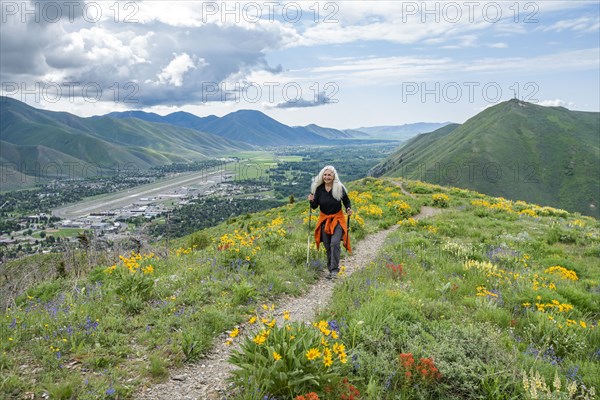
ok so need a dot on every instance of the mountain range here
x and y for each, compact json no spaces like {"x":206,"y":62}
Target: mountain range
{"x":256,"y":128}
{"x":32,"y":138}
{"x":29,"y":135}
{"x":246,"y":126}
{"x":516,"y":150}
{"x":400,"y":132}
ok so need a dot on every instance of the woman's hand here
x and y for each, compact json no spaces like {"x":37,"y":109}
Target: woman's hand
{"x":311,"y":197}
{"x":349,"y":211}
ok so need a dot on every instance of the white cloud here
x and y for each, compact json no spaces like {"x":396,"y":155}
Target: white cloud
{"x":172,"y":13}
{"x":393,"y":28}
{"x":459,"y":24}
{"x":321,"y":99}
{"x":173,"y":73}
{"x":392,"y":70}
{"x":112,"y":55}
{"x":463,"y":42}
{"x":558,"y":103}
{"x":589,"y":24}
{"x":566,"y":61}
{"x":401,"y":64}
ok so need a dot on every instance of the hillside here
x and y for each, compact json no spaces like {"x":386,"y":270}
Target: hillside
{"x":516,"y":150}
{"x":39,"y":136}
{"x":484,"y":300}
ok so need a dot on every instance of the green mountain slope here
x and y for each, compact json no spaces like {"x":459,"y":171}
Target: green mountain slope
{"x":470,"y":299}
{"x":103,"y":141}
{"x":517,"y":150}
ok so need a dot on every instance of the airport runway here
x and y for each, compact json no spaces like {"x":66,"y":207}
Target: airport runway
{"x":111,"y":201}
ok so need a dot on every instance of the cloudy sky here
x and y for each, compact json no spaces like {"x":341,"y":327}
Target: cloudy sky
{"x":341,"y":64}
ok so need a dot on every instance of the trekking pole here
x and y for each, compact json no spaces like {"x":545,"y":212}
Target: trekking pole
{"x":308,"y":236}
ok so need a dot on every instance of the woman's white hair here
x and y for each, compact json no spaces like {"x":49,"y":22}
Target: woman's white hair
{"x":338,"y":188}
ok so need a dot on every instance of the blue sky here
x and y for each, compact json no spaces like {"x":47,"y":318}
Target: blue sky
{"x":352,"y":64}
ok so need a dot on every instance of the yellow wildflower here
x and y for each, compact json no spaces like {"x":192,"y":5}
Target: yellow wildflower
{"x":259,"y":339}
{"x":313,"y":354}
{"x":339,"y":348}
{"x":564,"y":272}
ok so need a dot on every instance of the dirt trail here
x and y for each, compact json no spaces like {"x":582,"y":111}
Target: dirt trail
{"x":399,"y":183}
{"x":206,"y":379}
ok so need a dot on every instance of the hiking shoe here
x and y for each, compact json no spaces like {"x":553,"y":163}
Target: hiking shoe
{"x":332,"y":275}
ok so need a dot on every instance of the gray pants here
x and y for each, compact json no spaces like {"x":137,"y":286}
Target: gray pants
{"x":332,"y":247}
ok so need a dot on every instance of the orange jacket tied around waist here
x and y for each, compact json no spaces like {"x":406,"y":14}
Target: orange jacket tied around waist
{"x":331,"y":221}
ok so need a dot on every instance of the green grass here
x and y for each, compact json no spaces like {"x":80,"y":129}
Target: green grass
{"x":250,"y":169}
{"x":255,"y":164}
{"x":479,"y":342}
{"x":65,"y":232}
{"x":128,"y":321}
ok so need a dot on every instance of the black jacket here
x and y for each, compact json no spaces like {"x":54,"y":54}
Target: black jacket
{"x":329,"y":205}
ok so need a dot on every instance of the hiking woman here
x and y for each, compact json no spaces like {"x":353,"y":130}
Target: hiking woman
{"x":328,"y":193}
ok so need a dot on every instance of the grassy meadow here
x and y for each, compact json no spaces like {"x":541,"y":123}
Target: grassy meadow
{"x":491,"y":299}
